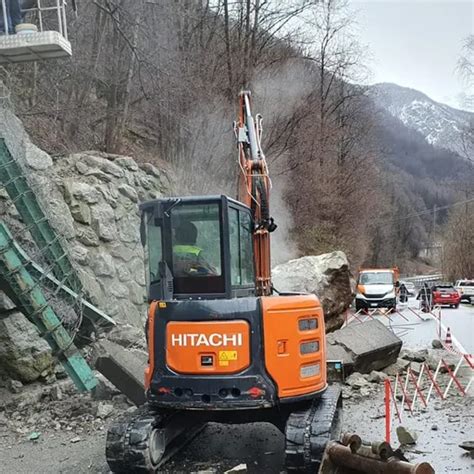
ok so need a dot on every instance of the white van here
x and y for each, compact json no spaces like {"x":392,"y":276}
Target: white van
{"x":376,"y":288}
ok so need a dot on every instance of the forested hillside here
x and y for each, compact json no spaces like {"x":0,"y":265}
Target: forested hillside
{"x":159,"y":81}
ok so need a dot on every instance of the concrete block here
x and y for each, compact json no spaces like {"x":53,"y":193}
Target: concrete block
{"x":124,"y":369}
{"x":335,"y":352}
{"x":369,"y":345}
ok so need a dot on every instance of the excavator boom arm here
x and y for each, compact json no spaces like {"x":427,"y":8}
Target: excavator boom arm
{"x":254,"y":189}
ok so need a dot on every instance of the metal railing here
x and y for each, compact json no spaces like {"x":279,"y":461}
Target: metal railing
{"x":43,"y":8}
{"x":420,"y":279}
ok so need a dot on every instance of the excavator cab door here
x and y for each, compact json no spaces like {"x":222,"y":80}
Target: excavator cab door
{"x":198,"y":248}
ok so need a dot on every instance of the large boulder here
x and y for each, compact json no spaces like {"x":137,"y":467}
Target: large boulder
{"x":327,"y":276}
{"x":23,"y":354}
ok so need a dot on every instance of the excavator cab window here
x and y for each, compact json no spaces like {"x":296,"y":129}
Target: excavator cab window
{"x":198,"y":247}
{"x":241,"y":248}
{"x":154,"y":253}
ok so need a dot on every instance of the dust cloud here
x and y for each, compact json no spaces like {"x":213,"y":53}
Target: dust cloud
{"x":277,"y":93}
{"x":283,"y":247}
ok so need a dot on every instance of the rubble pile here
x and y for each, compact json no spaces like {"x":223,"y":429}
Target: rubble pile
{"x":59,"y":407}
{"x":361,"y":385}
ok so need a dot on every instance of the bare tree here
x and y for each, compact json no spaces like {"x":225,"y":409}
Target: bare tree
{"x":466,"y":61}
{"x":458,"y":243}
{"x":466,"y":71}
{"x":337,"y":56}
{"x":256,"y":33}
{"x":333,"y":151}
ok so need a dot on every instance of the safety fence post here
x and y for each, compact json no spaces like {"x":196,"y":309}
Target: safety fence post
{"x":404,"y":385}
{"x":453,"y":377}
{"x":387,"y":411}
{"x":439,"y":323}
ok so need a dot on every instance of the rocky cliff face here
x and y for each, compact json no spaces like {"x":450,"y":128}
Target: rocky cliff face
{"x":91,"y":199}
{"x":100,"y":195}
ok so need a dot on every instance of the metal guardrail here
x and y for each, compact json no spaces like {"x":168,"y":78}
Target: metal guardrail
{"x":418,"y":280}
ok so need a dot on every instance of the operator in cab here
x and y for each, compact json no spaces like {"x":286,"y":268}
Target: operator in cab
{"x":188,"y":259}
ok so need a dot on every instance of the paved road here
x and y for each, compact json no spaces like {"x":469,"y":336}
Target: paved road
{"x":461,"y":323}
{"x":418,"y":332}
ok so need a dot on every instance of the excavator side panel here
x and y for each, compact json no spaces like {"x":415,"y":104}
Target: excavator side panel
{"x":294,"y":338}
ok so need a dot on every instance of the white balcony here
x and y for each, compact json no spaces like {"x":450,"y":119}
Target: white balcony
{"x":33,"y":47}
{"x":49,"y":42}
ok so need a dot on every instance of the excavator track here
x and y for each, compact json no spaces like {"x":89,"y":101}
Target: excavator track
{"x":141,"y":442}
{"x":308,"y":431}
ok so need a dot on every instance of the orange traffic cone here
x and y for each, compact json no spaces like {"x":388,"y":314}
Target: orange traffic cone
{"x":449,"y":341}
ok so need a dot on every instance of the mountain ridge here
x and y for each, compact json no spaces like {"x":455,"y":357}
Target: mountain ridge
{"x":441,"y":125}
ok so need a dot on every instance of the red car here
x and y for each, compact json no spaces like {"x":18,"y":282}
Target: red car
{"x":446,"y":294}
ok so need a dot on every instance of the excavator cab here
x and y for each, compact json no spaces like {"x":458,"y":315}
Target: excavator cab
{"x":198,"y":248}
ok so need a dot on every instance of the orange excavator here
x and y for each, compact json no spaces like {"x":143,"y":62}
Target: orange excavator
{"x":224,"y":346}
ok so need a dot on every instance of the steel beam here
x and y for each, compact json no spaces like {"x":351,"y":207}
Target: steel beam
{"x":46,"y":238}
{"x":91,"y":312}
{"x":17,"y":282}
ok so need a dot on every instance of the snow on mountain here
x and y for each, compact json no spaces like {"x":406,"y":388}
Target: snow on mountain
{"x":441,"y":125}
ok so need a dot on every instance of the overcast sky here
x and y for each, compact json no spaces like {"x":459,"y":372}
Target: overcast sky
{"x":417,"y":43}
